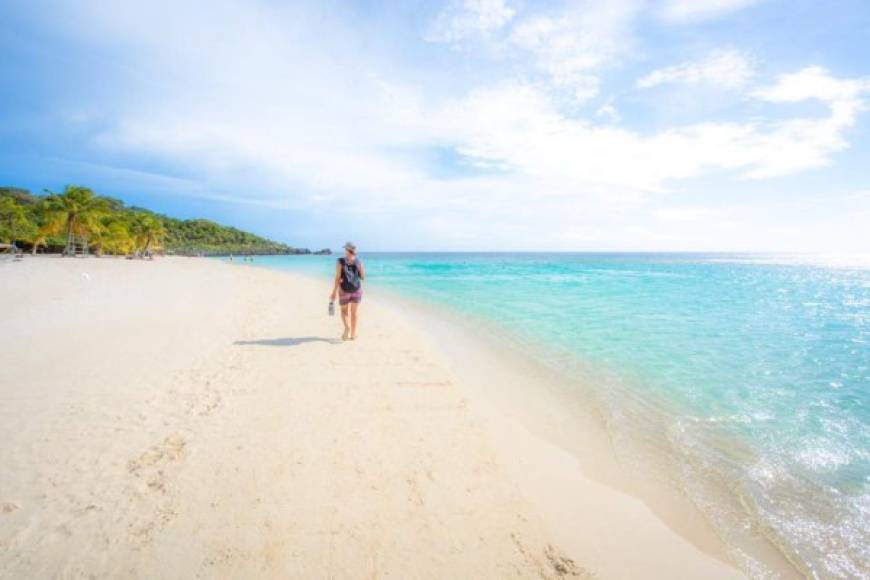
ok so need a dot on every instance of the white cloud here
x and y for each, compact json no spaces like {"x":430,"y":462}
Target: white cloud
{"x":518,"y":126}
{"x":608,"y":112}
{"x":682,"y":11}
{"x":815,"y":82}
{"x":805,"y":143}
{"x":568,"y":45}
{"x":572,"y":46}
{"x":727,"y":68}
{"x":463,"y":19}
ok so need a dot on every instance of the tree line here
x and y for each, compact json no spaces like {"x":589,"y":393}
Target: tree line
{"x":78,"y":221}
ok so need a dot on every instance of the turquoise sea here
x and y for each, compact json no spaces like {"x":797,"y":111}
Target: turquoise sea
{"x":744,"y":369}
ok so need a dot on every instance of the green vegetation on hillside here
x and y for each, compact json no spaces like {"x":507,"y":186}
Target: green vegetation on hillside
{"x":78,"y":221}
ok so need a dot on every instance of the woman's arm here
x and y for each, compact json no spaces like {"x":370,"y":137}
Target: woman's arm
{"x":362,"y":271}
{"x":337,"y":282}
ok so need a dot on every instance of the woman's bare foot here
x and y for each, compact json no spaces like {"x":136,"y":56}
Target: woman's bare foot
{"x":346,"y":334}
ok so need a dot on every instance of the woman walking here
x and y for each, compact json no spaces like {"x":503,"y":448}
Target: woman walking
{"x":349,"y":274}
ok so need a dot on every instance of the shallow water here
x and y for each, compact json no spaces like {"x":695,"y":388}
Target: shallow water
{"x":751,"y":370}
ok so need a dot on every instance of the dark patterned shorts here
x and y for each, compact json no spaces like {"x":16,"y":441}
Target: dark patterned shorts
{"x":345,"y":298}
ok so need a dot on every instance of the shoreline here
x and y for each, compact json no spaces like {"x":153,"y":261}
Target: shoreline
{"x":560,"y":416}
{"x":171,"y":441}
{"x":476,"y":353}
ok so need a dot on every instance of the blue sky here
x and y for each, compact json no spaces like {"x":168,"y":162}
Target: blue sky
{"x":463,"y":125}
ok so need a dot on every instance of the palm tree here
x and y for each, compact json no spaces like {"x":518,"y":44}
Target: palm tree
{"x":118,"y":239}
{"x":48,"y":223}
{"x":148,"y":231}
{"x":80,"y":207}
{"x":111,"y":233}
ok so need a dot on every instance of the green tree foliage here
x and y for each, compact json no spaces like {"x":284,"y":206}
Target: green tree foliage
{"x":49,"y":225}
{"x":78,"y":219}
{"x":111,"y":235}
{"x":22,"y":196}
{"x":203,"y":236}
{"x":81,"y":211}
{"x":15,"y":224}
{"x":147,"y":230}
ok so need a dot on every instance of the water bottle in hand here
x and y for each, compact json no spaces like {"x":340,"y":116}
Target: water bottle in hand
{"x":332,"y":308}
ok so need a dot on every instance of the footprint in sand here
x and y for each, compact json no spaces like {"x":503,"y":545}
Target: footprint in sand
{"x":169,"y":450}
{"x":554,"y":564}
{"x":7,"y":507}
{"x":152,"y":467}
{"x":211,"y":401}
{"x":564,"y":566}
{"x":415,"y":495}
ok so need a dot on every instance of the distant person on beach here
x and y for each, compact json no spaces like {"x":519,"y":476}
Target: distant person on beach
{"x":349,"y":274}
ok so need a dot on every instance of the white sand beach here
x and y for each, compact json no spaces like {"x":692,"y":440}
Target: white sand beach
{"x":189,"y":418}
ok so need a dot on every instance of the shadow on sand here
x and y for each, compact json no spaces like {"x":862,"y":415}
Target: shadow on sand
{"x":290,"y":341}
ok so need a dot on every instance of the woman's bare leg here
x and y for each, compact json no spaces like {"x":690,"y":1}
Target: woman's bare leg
{"x":345,"y":321}
{"x":354,"y":316}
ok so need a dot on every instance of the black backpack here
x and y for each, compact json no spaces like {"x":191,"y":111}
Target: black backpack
{"x":350,"y":280}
